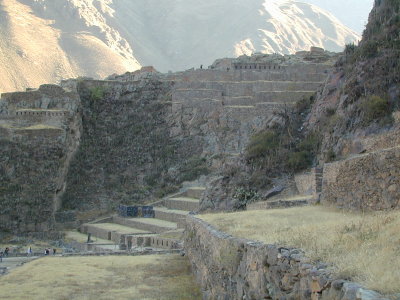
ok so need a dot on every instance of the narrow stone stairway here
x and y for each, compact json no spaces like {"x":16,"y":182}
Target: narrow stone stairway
{"x":162,"y":231}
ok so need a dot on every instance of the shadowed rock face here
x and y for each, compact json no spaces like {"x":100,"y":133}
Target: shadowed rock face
{"x":46,"y":41}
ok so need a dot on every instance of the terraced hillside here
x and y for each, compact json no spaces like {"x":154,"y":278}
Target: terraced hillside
{"x":162,"y":231}
{"x":135,"y":138}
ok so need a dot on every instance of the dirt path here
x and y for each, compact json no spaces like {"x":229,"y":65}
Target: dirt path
{"x":10,"y":263}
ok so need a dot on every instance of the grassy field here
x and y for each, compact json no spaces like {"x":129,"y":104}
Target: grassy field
{"x":363,"y":247}
{"x":109,"y":277}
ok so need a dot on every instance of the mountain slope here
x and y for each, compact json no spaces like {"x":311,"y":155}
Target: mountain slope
{"x":47,"y":40}
{"x":190,"y":33}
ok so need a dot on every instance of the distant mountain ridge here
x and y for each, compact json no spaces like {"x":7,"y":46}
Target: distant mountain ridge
{"x":48,"y":40}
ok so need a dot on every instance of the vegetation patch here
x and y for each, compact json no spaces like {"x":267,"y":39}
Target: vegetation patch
{"x":284,"y":148}
{"x":244,"y":196}
{"x":361,"y":247}
{"x":375,"y":108}
{"x":97,"y":93}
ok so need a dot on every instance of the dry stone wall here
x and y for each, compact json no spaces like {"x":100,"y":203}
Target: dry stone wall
{"x":229,"y":268}
{"x":366,"y":182}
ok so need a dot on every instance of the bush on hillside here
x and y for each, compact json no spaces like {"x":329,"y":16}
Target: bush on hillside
{"x":96,"y":93}
{"x":243,"y":197}
{"x":298,"y":161}
{"x":263,"y":144}
{"x":374,"y":108}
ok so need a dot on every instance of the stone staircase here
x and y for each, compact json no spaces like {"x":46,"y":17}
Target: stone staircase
{"x":307,"y":190}
{"x":319,"y":174}
{"x":283,"y":202}
{"x":163,"y":231}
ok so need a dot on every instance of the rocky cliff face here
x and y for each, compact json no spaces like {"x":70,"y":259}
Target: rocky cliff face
{"x":39,"y":135}
{"x":363,"y":90}
{"x":44,"y":41}
{"x":352,"y":124}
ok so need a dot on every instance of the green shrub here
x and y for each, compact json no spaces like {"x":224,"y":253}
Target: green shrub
{"x":350,"y":49}
{"x":369,"y":49}
{"x":244,"y":196}
{"x":97,"y":93}
{"x":304,"y":104}
{"x":193,"y":168}
{"x":299,"y":160}
{"x":374,"y":108}
{"x":262,"y":143}
{"x":310,"y":143}
{"x":330,"y":156}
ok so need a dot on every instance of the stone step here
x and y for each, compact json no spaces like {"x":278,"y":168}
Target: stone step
{"x":171,"y":215}
{"x":147,"y":224}
{"x":182,"y":203}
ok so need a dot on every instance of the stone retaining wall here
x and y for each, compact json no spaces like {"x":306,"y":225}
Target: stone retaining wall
{"x":366,"y":182}
{"x":293,"y":73}
{"x":233,"y":268}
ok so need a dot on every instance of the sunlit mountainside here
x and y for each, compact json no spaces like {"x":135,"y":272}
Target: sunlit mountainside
{"x":47,"y":40}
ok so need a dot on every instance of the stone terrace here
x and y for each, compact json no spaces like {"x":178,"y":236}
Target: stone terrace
{"x":231,"y":105}
{"x":164,"y":231}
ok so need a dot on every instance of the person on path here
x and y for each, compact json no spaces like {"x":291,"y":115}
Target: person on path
{"x":6,"y":252}
{"x":1,"y":256}
{"x":29,"y":251}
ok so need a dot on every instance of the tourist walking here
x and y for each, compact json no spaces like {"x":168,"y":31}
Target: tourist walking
{"x":6,"y":252}
{"x":29,"y":251}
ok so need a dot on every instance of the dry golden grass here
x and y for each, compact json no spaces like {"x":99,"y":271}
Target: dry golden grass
{"x":112,"y":277}
{"x":363,"y":247}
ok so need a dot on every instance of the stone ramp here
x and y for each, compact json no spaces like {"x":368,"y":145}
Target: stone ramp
{"x":299,"y":200}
